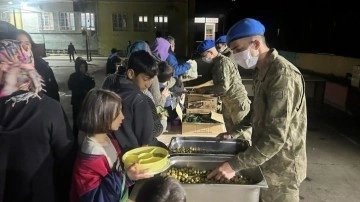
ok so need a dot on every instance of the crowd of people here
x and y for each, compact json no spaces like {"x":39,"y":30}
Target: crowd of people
{"x":43,"y":159}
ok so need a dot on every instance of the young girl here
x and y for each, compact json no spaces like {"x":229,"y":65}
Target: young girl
{"x":98,"y":175}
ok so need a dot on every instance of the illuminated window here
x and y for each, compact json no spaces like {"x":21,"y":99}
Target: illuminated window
{"x":4,"y":16}
{"x":141,"y":23}
{"x":206,"y":20}
{"x":46,"y":21}
{"x":119,"y":22}
{"x":161,"y":22}
{"x":88,"y":21}
{"x":66,"y":21}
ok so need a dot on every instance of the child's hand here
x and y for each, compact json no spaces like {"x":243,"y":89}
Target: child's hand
{"x":135,"y":174}
{"x":165,"y":92}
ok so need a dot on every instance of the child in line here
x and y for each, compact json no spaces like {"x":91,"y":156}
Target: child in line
{"x":139,"y":126}
{"x":98,"y":174}
{"x":80,"y":82}
{"x":161,"y":189}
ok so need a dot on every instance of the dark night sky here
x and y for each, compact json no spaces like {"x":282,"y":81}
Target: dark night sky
{"x":317,"y":27}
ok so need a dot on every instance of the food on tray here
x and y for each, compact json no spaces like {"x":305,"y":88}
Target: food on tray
{"x":198,"y":118}
{"x":197,"y":150}
{"x":196,"y":176}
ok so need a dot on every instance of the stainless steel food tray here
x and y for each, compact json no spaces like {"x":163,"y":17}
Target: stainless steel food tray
{"x":220,"y":192}
{"x":207,"y":145}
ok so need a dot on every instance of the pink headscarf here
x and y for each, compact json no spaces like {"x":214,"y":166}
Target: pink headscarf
{"x":17,"y":70}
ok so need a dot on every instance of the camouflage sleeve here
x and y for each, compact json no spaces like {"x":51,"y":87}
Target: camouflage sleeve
{"x":280,"y":90}
{"x":221,"y":76}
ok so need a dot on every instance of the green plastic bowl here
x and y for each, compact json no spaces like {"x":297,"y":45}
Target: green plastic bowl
{"x":149,"y":157}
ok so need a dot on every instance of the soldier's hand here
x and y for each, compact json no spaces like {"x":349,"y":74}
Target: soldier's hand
{"x":223,"y":172}
{"x":224,"y":136}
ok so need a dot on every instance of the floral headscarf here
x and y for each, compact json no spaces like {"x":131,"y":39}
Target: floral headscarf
{"x":17,"y":71}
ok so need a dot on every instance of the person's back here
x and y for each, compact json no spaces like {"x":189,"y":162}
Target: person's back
{"x":42,"y":136}
{"x":36,"y":143}
{"x":179,"y":69}
{"x":71,"y":49}
{"x":80,"y":83}
{"x":112,"y":61}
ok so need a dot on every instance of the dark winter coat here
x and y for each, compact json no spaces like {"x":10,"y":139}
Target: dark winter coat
{"x":51,"y":86}
{"x":79,"y":84}
{"x":138,"y":125}
{"x":37,"y":150}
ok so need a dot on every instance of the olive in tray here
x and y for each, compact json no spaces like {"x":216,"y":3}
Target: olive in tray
{"x":192,"y":175}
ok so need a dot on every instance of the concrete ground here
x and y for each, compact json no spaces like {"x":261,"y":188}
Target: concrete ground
{"x":332,"y":149}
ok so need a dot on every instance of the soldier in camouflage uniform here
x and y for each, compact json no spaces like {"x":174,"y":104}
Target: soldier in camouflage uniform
{"x":227,"y":85}
{"x":223,"y":48}
{"x":279,"y":116}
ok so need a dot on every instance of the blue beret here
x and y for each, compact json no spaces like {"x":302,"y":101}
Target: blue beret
{"x":244,"y":28}
{"x":205,"y":45}
{"x":221,"y":39}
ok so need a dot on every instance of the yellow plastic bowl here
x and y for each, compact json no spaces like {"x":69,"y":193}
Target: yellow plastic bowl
{"x":153,"y":158}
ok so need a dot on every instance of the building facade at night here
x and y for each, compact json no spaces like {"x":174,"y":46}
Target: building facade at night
{"x":106,"y":23}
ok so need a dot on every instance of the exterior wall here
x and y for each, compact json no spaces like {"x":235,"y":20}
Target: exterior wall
{"x":104,"y":38}
{"x":177,"y":12}
{"x":327,"y":64}
{"x":27,"y":18}
{"x":320,"y":63}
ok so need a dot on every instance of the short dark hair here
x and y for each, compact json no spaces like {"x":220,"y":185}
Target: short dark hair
{"x":78,"y":62}
{"x":142,"y":62}
{"x":170,"y":39}
{"x":113,"y":50}
{"x":20,"y":31}
{"x":7,"y":30}
{"x":165,"y":72}
{"x":161,"y":189}
{"x":97,"y":111}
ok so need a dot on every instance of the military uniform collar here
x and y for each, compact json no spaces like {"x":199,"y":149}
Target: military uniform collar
{"x":269,"y":58}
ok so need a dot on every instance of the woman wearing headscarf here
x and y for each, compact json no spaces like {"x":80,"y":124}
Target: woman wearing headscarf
{"x":36,"y":143}
{"x":51,"y":87}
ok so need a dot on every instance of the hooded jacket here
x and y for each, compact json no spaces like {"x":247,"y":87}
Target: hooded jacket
{"x":138,"y":125}
{"x":36,"y":150}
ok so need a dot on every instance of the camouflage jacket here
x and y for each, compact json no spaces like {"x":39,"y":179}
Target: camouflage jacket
{"x":279,"y":123}
{"x":227,"y":80}
{"x":228,"y":53}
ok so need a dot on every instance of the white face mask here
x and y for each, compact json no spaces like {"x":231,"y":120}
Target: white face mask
{"x":207,"y":60}
{"x":245,"y":60}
